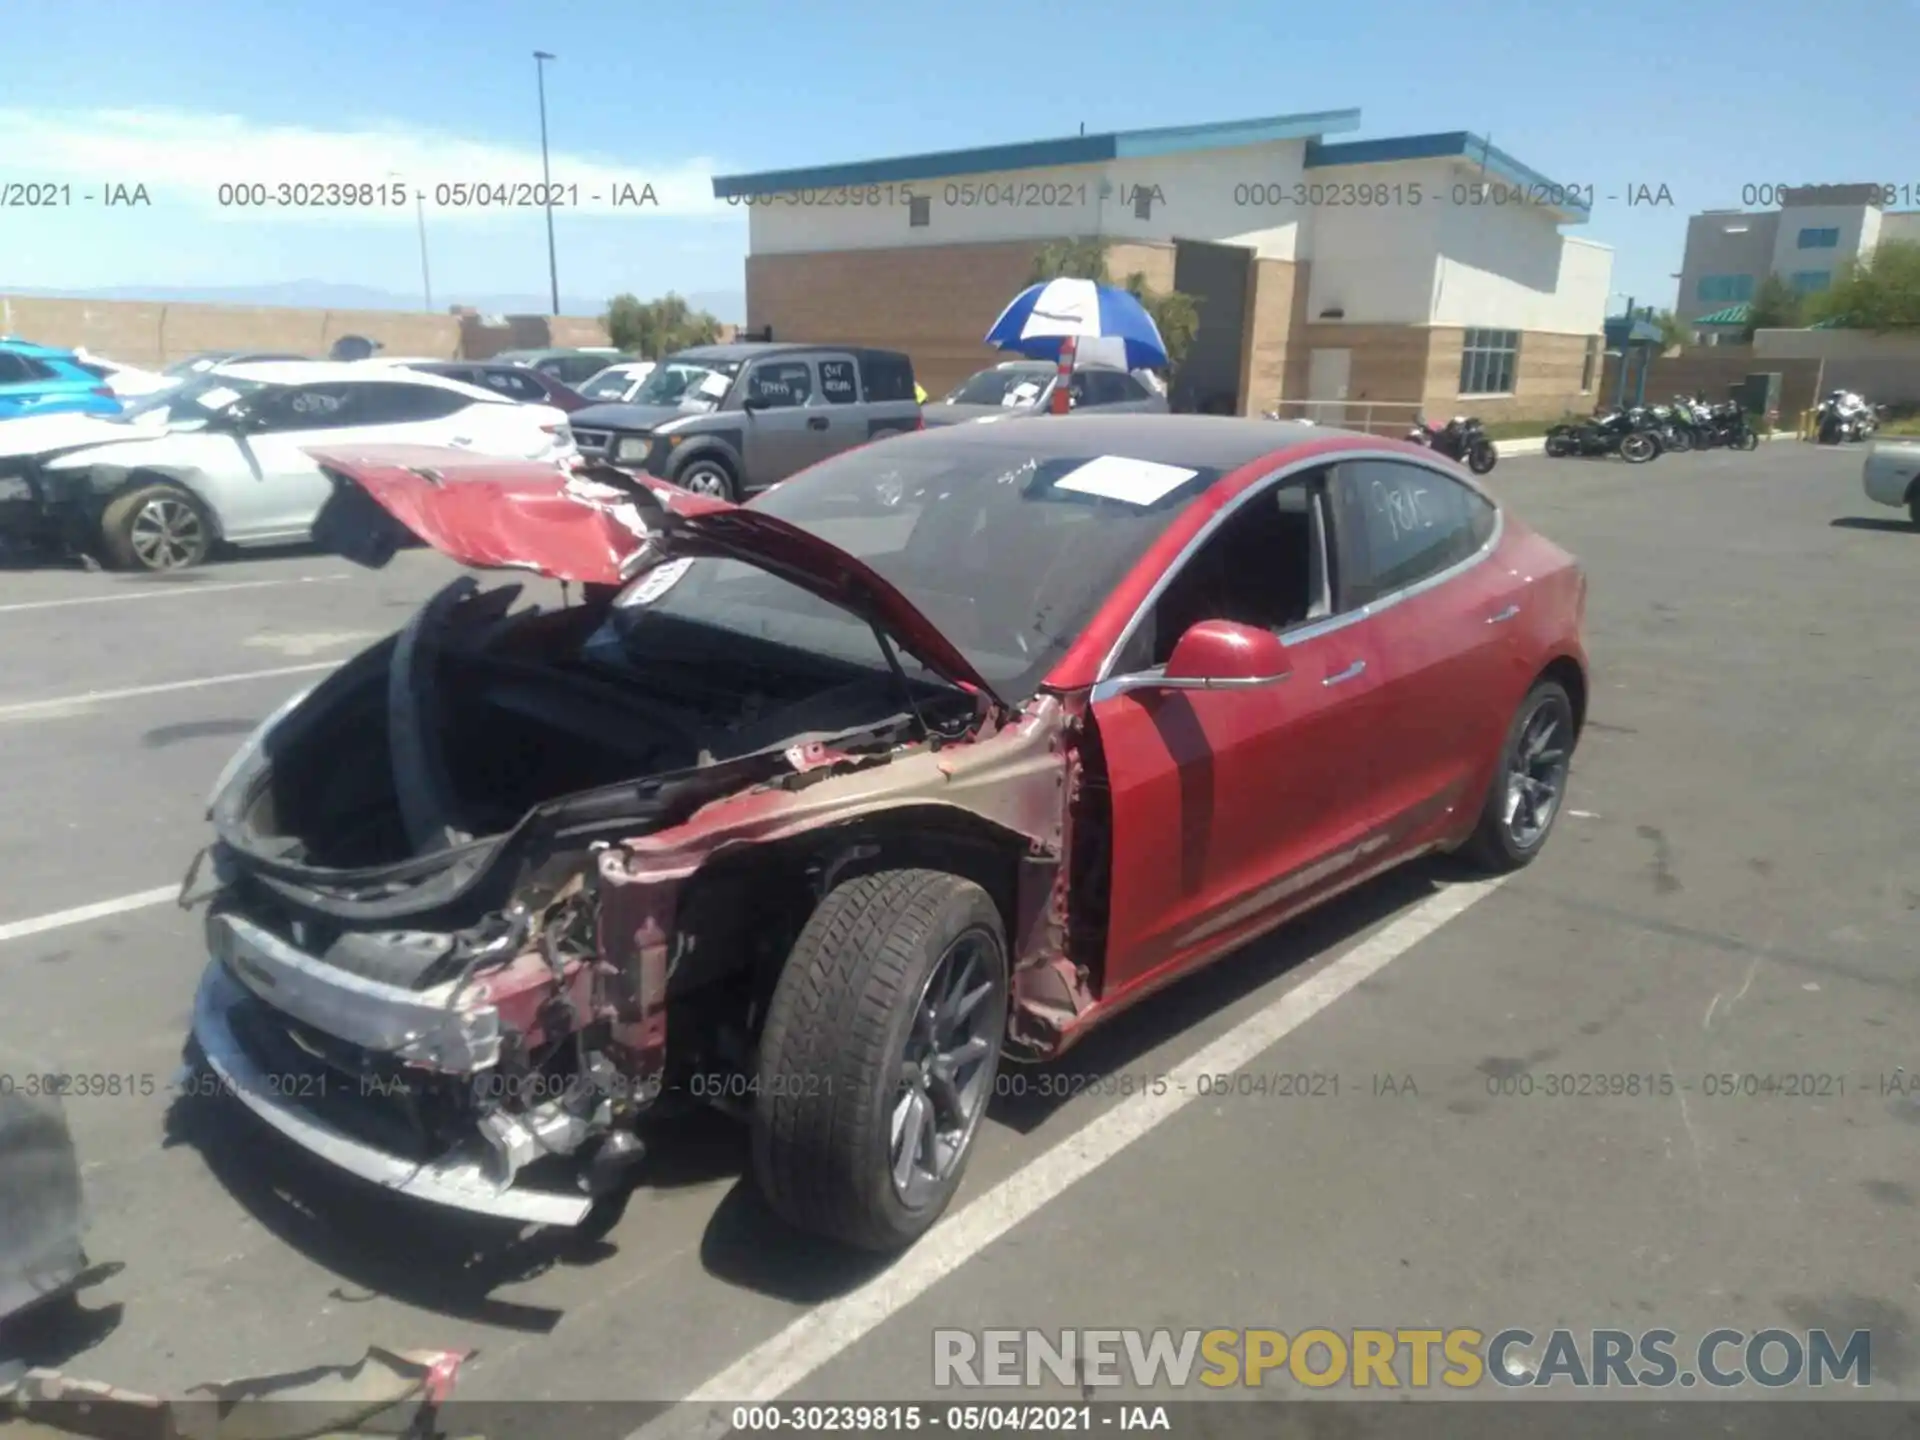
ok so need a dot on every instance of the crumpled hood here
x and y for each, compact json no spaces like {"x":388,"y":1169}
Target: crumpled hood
{"x":29,"y":436}
{"x":594,"y":525}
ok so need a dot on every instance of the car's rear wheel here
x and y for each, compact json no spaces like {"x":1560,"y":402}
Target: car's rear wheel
{"x":155,"y":527}
{"x":879,"y":1056}
{"x":1530,"y":784}
{"x":708,"y":477}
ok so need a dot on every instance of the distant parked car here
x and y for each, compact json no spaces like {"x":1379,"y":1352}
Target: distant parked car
{"x":569,"y":367}
{"x":222,"y":458}
{"x":618,"y":383}
{"x":204,"y":361}
{"x":1025,"y":387}
{"x":1891,"y":475}
{"x":727,"y":420}
{"x":516,"y":382}
{"x":41,"y":380}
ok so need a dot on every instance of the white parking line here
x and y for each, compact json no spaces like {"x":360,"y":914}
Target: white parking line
{"x":80,"y":914}
{"x":29,"y":709}
{"x":771,"y":1370}
{"x":164,"y":592}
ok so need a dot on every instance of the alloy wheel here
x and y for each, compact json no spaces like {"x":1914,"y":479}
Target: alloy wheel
{"x":946,"y":1069}
{"x":168,"y":534}
{"x":707,"y":480}
{"x":1537,"y":771}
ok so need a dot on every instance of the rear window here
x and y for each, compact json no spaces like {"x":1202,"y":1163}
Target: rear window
{"x":889,"y":377}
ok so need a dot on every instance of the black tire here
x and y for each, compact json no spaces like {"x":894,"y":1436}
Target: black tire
{"x":832,"y":1063}
{"x":1494,"y":845}
{"x":1638,"y":448}
{"x":1482,"y":457}
{"x":1680,"y":442}
{"x":156,"y":526}
{"x":1749,"y":440}
{"x":709,"y":475}
{"x":1829,"y":432}
{"x":1913,"y":509}
{"x":1559,"y":444}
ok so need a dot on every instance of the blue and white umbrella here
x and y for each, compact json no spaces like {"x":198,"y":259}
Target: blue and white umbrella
{"x":1106,"y":323}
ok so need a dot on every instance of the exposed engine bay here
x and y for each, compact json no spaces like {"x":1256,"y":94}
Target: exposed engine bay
{"x":465,"y":890}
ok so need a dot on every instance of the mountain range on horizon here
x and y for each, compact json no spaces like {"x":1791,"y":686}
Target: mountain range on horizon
{"x":727,"y":306}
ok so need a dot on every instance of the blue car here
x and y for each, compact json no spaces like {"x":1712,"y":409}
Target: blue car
{"x":40,"y":380}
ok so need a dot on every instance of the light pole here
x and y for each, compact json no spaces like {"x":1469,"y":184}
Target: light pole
{"x":420,"y":211}
{"x":426,"y":279}
{"x":540,"y":58}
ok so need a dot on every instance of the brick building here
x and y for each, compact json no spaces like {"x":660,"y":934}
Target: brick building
{"x":1428,"y":269}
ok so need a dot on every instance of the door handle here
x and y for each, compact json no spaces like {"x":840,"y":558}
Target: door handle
{"x":816,"y":422}
{"x":1504,"y":615}
{"x":1351,"y":672}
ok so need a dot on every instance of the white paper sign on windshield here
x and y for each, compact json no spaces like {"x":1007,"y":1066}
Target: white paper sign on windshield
{"x":714,"y":386}
{"x":218,"y":398}
{"x":1021,"y":393}
{"x":1135,"y":482}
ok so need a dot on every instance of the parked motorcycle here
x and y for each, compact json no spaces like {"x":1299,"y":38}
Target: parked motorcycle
{"x":1673,"y":430}
{"x":1630,"y":434}
{"x":1729,"y":425}
{"x":1842,"y":417}
{"x":1462,"y":438}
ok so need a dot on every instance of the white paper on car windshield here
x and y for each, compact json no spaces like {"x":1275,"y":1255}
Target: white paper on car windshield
{"x":1135,"y":482}
{"x":218,"y":398}
{"x":1020,"y":394}
{"x":714,"y":386}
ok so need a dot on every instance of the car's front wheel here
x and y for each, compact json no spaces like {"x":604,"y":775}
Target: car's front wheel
{"x":879,"y":1056}
{"x":1530,"y":784}
{"x":155,"y":527}
{"x":710,"y":478}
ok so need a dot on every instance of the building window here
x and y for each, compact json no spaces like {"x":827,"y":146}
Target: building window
{"x":1806,"y":282}
{"x":1725,"y":289}
{"x":1827,"y":239}
{"x":1488,"y":359}
{"x":1590,"y":364}
{"x":919,"y":211}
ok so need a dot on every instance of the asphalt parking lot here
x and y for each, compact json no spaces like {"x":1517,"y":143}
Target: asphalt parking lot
{"x":1733,"y":891}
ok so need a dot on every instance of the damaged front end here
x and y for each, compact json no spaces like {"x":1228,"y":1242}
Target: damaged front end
{"x":499,"y":890}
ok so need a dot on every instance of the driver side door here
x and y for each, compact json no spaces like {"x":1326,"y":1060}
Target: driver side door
{"x":1233,"y":808}
{"x":784,"y":433}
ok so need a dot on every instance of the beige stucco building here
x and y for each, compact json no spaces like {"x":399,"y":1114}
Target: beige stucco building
{"x":1427,"y":269}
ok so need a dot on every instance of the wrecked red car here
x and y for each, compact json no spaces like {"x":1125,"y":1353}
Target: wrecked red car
{"x":814,"y":808}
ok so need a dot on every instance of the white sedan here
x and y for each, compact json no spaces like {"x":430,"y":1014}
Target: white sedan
{"x":222,"y":458}
{"x":1892,"y":475}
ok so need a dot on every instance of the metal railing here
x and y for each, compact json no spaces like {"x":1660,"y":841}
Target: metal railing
{"x":1371,"y":417}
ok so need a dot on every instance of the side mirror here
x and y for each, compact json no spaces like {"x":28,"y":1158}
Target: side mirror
{"x":1219,"y":654}
{"x":750,"y":405}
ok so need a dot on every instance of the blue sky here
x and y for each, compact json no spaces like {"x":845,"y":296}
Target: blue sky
{"x":1703,"y":97}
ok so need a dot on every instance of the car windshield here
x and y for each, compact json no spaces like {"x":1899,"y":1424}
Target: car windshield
{"x":688,"y":384}
{"x":999,"y":386}
{"x":608,"y":385}
{"x":196,"y":400}
{"x":1007,"y":553}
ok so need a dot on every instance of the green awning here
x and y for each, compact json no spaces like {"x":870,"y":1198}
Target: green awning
{"x":1732,"y":315}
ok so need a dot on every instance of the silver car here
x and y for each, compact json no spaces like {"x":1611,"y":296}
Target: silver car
{"x":1025,"y":387}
